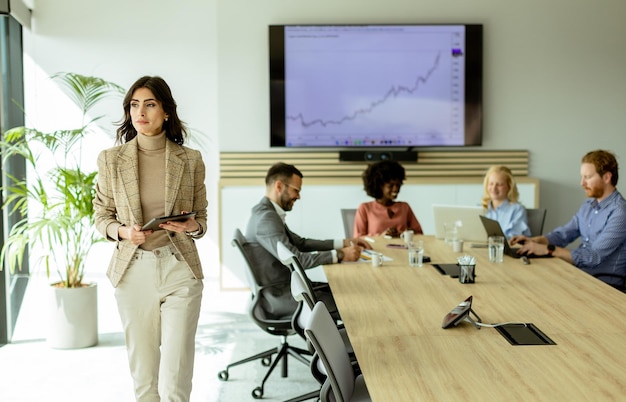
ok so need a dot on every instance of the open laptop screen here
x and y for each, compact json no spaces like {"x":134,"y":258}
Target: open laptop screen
{"x":471,"y":228}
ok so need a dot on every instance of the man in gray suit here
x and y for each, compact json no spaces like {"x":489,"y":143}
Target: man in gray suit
{"x":267,"y":227}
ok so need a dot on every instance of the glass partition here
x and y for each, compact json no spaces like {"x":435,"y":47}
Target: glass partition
{"x":12,"y":285}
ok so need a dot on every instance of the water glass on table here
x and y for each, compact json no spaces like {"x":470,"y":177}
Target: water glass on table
{"x":457,"y":246}
{"x":451,"y":232}
{"x":496,"y":248}
{"x":416,"y":253}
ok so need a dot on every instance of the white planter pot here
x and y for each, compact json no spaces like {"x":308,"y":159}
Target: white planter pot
{"x":73,"y":317}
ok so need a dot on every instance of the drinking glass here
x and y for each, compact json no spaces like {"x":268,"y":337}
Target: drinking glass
{"x":451,"y":232}
{"x":416,"y":253}
{"x":496,"y":248}
{"x":457,"y":246}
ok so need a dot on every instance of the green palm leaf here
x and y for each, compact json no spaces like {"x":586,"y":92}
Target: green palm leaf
{"x":57,"y":204}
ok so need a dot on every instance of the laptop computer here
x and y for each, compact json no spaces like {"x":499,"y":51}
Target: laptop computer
{"x":493,"y":228}
{"x":471,"y":229}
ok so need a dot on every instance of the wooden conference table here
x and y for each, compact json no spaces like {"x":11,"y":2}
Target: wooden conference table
{"x":393,"y":315}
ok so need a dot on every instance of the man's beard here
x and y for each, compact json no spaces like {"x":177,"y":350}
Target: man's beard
{"x":593,"y":192}
{"x":286,"y":202}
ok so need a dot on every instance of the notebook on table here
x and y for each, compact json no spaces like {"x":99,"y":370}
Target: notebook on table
{"x":471,"y":229}
{"x":493,"y":228}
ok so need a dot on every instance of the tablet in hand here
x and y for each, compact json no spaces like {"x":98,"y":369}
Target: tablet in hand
{"x":155,"y":222}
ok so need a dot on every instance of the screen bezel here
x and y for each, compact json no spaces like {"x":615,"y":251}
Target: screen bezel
{"x":473,"y":85}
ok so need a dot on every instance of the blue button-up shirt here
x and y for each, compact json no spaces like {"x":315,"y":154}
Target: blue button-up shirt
{"x":601,"y":227}
{"x":512,"y":218}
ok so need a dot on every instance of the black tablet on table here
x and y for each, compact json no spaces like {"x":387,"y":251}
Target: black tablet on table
{"x":155,"y":222}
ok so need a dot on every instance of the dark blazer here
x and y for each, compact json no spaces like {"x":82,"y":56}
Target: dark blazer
{"x":117,"y":199}
{"x":265,"y":229}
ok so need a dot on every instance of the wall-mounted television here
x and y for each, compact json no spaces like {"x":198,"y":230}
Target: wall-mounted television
{"x":403,"y":86}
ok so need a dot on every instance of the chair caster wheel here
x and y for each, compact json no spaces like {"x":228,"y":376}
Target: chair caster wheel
{"x":257,"y":393}
{"x":223,"y":375}
{"x":266,"y":361}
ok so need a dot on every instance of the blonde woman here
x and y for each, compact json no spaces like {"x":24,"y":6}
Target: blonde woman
{"x":501,"y":202}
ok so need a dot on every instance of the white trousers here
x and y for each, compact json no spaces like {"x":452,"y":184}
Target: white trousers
{"x":159,"y":303}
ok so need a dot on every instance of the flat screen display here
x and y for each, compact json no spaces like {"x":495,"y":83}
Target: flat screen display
{"x":412,"y":85}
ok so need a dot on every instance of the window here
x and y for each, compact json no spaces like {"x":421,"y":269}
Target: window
{"x":12,"y":285}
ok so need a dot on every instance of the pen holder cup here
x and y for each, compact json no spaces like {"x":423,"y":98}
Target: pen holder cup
{"x":466,"y":273}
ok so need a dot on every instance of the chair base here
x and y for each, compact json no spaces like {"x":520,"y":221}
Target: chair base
{"x":282,"y":352}
{"x":305,"y":397}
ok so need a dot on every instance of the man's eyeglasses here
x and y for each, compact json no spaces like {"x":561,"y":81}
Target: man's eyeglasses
{"x":296,"y":189}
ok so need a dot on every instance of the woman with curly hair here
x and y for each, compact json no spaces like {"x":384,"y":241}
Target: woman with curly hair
{"x":384,"y":216}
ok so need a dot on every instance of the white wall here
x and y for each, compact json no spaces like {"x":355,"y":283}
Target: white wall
{"x":554,"y":77}
{"x":554,"y":70}
{"x":121,"y":41}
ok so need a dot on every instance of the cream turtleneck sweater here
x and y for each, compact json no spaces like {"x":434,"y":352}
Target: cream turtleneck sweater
{"x":151,"y":159}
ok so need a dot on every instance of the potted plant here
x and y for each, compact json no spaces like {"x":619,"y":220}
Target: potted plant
{"x":56,"y":206}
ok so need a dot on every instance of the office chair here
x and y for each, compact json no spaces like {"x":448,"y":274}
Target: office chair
{"x":298,"y":322}
{"x":276,"y":326}
{"x":347,"y":216}
{"x":303,"y":293}
{"x":342,"y":384}
{"x":301,"y":317}
{"x":319,"y":291}
{"x":536,"y":218}
{"x":621,"y":288}
{"x":300,"y":292}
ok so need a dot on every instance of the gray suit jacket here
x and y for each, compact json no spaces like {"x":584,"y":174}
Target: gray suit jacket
{"x":117,"y":199}
{"x":265,"y":229}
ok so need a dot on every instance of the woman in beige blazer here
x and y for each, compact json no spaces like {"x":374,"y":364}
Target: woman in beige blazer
{"x":156,"y":273}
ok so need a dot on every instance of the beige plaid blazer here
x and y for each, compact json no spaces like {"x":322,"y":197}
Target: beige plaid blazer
{"x":117,"y":199}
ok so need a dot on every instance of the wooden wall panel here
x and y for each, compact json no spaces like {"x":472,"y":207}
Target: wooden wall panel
{"x":326,"y":165}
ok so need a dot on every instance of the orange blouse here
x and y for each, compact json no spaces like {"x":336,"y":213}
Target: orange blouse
{"x":373,"y":218}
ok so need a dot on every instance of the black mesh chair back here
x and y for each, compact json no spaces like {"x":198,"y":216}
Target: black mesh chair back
{"x":268,"y":322}
{"x":536,"y":219}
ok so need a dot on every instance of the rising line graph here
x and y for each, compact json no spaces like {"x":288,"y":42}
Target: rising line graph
{"x":393,"y":92}
{"x":374,"y":85}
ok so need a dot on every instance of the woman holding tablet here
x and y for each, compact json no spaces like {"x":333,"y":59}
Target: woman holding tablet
{"x":156,"y":273}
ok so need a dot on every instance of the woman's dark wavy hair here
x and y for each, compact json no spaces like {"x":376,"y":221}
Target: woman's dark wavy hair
{"x":174,"y":128}
{"x":379,"y":173}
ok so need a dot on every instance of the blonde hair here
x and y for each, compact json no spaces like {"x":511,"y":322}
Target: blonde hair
{"x":512,"y":196}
